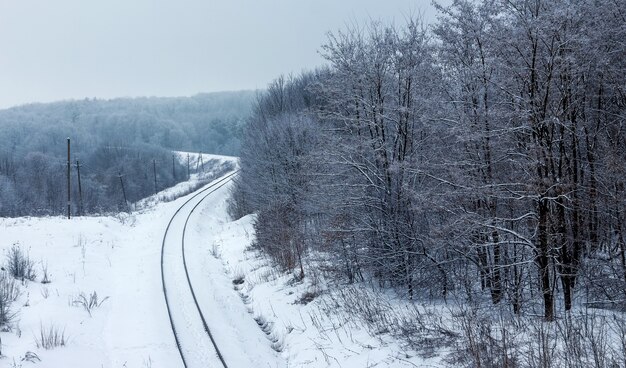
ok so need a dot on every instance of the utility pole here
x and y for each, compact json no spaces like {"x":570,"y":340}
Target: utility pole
{"x":188,"y":176}
{"x":173,"y":169}
{"x":198,"y":162}
{"x":80,"y":190}
{"x":69,"y":198}
{"x":119,"y":175}
{"x":202,"y":161}
{"x":154,"y":171}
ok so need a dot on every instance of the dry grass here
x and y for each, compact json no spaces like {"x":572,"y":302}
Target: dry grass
{"x":50,"y":337}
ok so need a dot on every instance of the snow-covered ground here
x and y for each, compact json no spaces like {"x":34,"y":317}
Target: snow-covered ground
{"x":257,"y":315}
{"x":296,"y":319}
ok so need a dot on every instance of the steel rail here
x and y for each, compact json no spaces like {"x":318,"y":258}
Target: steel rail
{"x":211,"y":188}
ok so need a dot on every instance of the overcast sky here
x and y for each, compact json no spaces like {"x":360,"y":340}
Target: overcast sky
{"x":72,"y":49}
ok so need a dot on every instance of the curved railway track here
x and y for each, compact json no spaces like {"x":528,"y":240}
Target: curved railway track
{"x":189,"y":205}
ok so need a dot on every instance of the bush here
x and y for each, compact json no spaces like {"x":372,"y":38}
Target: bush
{"x":278,"y":236}
{"x":582,"y":338}
{"x":19,"y":264}
{"x":9,"y":291}
{"x":486,"y":340}
{"x":418,"y":328}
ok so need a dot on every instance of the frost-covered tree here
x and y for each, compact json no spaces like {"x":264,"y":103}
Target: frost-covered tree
{"x":483,"y":159}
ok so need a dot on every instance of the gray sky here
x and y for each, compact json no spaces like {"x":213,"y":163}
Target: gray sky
{"x":72,"y":49}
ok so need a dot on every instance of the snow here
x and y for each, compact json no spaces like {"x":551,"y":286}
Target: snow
{"x":119,"y":259}
{"x":308,"y":334}
{"x":195,"y":159}
{"x":214,"y":165}
{"x":256,"y":323}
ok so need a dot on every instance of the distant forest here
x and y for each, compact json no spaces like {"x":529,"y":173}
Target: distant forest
{"x":124,"y":136}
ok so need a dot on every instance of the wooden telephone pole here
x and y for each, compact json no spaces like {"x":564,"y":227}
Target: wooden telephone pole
{"x":69,"y":198}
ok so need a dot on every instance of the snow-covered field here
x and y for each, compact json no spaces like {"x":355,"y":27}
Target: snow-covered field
{"x":257,"y":315}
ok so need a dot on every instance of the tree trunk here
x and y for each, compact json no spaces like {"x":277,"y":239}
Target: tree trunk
{"x":543,"y":261}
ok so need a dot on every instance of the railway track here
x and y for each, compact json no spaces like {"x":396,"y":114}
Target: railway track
{"x":183,"y":309}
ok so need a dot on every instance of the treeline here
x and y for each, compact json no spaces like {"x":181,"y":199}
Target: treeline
{"x":483,"y":158}
{"x":128,"y":137}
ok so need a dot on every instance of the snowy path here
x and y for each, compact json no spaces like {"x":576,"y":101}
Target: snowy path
{"x":205,"y":310}
{"x":193,"y":336}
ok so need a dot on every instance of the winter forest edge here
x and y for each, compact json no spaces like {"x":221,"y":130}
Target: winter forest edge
{"x":478,"y":164}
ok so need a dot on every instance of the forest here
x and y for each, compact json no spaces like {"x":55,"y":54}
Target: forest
{"x":128,"y":137}
{"x":481,"y":159}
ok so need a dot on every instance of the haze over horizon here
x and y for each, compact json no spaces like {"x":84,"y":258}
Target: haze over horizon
{"x":71,"y":49}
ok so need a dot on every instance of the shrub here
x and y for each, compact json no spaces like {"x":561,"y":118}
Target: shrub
{"x":485,"y":340}
{"x":20,"y":265}
{"x":9,"y":291}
